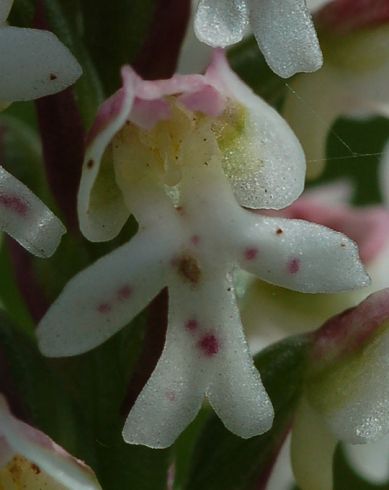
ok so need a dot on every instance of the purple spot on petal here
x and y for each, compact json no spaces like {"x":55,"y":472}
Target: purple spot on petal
{"x":124,"y":292}
{"x":209,"y":345}
{"x":250,"y":253}
{"x":195,"y":240}
{"x":14,"y":203}
{"x":170,"y":395}
{"x":104,"y":308}
{"x":294,"y":265}
{"x":191,"y":325}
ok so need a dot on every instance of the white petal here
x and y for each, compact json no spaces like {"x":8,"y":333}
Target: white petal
{"x":264,"y":161}
{"x":5,"y":7}
{"x":34,"y":63}
{"x":370,"y":460}
{"x":173,"y":395}
{"x":26,"y":218}
{"x":312,"y":450}
{"x":100,"y":300}
{"x":286,"y":36}
{"x":101,"y":209}
{"x":301,"y":256}
{"x":6,"y":452}
{"x":46,"y":455}
{"x":220,"y":23}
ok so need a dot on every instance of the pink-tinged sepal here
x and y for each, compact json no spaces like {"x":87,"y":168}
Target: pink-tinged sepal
{"x":347,"y":15}
{"x":30,"y":459}
{"x":347,"y":384}
{"x":26,"y":219}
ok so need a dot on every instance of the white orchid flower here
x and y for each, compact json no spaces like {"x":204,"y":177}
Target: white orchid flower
{"x":183,"y":155}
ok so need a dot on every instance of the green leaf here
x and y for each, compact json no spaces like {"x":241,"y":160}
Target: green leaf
{"x":114,"y":33}
{"x":223,"y":461}
{"x":30,"y":380}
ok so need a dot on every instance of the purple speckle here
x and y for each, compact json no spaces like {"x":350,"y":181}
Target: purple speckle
{"x":14,"y":203}
{"x":209,"y":345}
{"x":250,"y":253}
{"x":170,"y":395}
{"x":195,"y":240}
{"x":104,"y":308}
{"x":294,"y":265}
{"x":124,"y":292}
{"x":191,"y":325}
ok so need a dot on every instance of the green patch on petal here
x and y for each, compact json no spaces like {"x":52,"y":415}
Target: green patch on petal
{"x":346,"y":380}
{"x":359,"y":52}
{"x":105,"y":189}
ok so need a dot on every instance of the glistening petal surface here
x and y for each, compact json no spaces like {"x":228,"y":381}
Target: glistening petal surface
{"x":285,"y":34}
{"x":26,"y":219}
{"x":34,"y":63}
{"x":263,"y":161}
{"x":221,"y":23}
{"x":301,"y":256}
{"x":100,"y":300}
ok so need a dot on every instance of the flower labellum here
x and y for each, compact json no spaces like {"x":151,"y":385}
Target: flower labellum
{"x":34,"y":63}
{"x":30,"y":459}
{"x":283,"y":29}
{"x":183,"y":155}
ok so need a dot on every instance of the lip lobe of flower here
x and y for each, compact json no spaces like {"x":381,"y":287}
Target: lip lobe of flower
{"x":294,"y":266}
{"x":14,"y":203}
{"x":209,"y":345}
{"x":188,"y":267}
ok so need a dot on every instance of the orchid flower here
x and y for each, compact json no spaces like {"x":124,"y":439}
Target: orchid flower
{"x":34,"y":63}
{"x":30,"y":459}
{"x":183,"y":155}
{"x":283,"y":29}
{"x":26,"y":219}
{"x":271,"y":313}
{"x":346,"y":393}
{"x":353,"y":81}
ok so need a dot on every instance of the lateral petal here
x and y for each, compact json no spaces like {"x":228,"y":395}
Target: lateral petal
{"x":302,"y":256}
